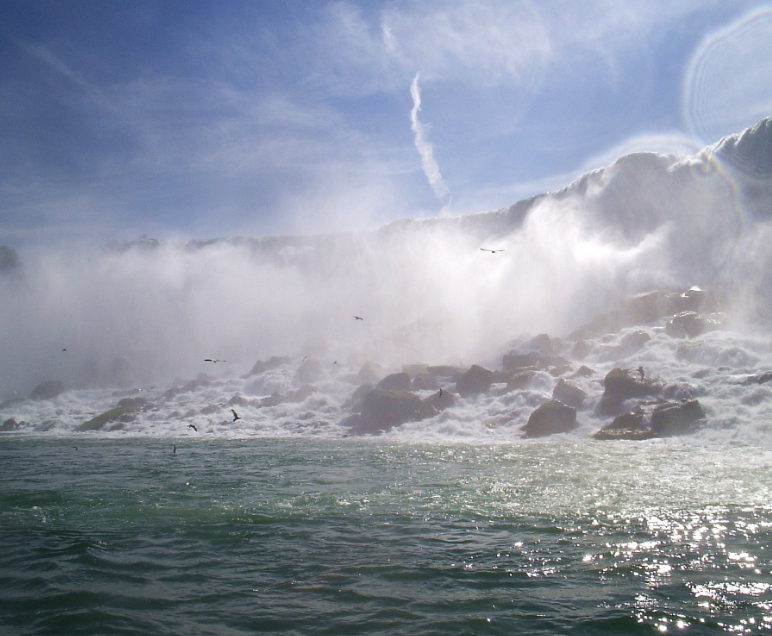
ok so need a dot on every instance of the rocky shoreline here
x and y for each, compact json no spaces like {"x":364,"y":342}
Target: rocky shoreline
{"x":634,"y":404}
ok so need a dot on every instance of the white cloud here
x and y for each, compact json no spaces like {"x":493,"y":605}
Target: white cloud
{"x":425,"y":149}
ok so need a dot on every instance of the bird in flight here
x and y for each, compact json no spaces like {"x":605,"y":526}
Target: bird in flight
{"x":485,"y":249}
{"x":358,"y":318}
{"x":213,"y":360}
{"x":193,"y":427}
{"x":235,"y":415}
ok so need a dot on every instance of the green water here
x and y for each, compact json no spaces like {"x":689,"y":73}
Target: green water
{"x":227,"y":537}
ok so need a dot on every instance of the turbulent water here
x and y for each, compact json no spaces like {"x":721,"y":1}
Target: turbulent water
{"x":178,"y":448}
{"x":328,"y":537}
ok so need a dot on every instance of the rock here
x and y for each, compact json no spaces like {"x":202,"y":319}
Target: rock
{"x":687,"y":324}
{"x":445,"y":371}
{"x":628,"y":426}
{"x":514,"y":361}
{"x":580,"y":350}
{"x":441,"y":400}
{"x":569,"y":394}
{"x":133,"y":402}
{"x":542,"y":343}
{"x":355,"y":401}
{"x":98,"y":422}
{"x":635,"y":340}
{"x":425,"y":382}
{"x":309,"y":371}
{"x":9,"y":425}
{"x":47,"y":390}
{"x":370,"y":373}
{"x":272,"y":363}
{"x":622,"y":384}
{"x":395,"y":382}
{"x":550,"y":418}
{"x":677,"y":419}
{"x":520,"y":380}
{"x":414,"y":370}
{"x":383,"y":409}
{"x":476,"y":380}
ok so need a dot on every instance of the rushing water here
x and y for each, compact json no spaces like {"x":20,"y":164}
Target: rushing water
{"x":315,"y":536}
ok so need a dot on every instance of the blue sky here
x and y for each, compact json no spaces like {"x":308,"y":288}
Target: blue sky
{"x":201,"y":119}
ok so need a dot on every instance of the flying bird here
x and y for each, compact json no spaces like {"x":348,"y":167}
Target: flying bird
{"x":485,"y":249}
{"x":235,"y":415}
{"x":193,"y":427}
{"x":213,"y":360}
{"x":65,"y":349}
{"x":358,"y":318}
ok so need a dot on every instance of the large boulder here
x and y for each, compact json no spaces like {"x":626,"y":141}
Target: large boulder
{"x":628,"y":426}
{"x":623,"y":384}
{"x":395,"y":382}
{"x":47,"y":390}
{"x":550,"y":418}
{"x":370,"y":373}
{"x":441,"y":400}
{"x":569,"y":394}
{"x":119,"y":414}
{"x":425,"y":382}
{"x":9,"y":425}
{"x":476,"y":380}
{"x":308,"y":372}
{"x":383,"y":409}
{"x":677,"y":418}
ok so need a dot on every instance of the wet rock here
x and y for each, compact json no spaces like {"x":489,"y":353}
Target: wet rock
{"x":445,"y":371}
{"x":569,"y":394}
{"x":635,"y":340}
{"x":354,"y":402}
{"x":272,"y":363}
{"x":133,"y":402}
{"x":9,"y":425}
{"x":677,"y":419}
{"x":687,"y":324}
{"x":542,"y":343}
{"x":383,"y":410}
{"x":113,"y":415}
{"x":622,"y":384}
{"x":441,"y":400}
{"x":47,"y":390}
{"x":395,"y":382}
{"x":628,"y":426}
{"x":414,"y":370}
{"x":309,"y":371}
{"x":425,"y":382}
{"x":520,"y":380}
{"x":515,"y":361}
{"x":581,"y":350}
{"x":549,"y":419}
{"x":370,"y":373}
{"x":476,"y":380}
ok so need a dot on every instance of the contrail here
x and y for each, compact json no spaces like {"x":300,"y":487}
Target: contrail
{"x":429,"y":165}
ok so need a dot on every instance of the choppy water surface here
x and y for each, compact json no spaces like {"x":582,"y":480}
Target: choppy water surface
{"x":123,"y":536}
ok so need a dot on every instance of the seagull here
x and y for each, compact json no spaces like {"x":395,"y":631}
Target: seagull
{"x":485,"y":249}
{"x":213,"y":360}
{"x":358,"y":318}
{"x":235,"y":415}
{"x":440,"y":395}
{"x":193,"y":427}
{"x":174,"y":448}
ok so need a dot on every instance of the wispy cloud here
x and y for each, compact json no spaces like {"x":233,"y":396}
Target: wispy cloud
{"x":425,"y":149}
